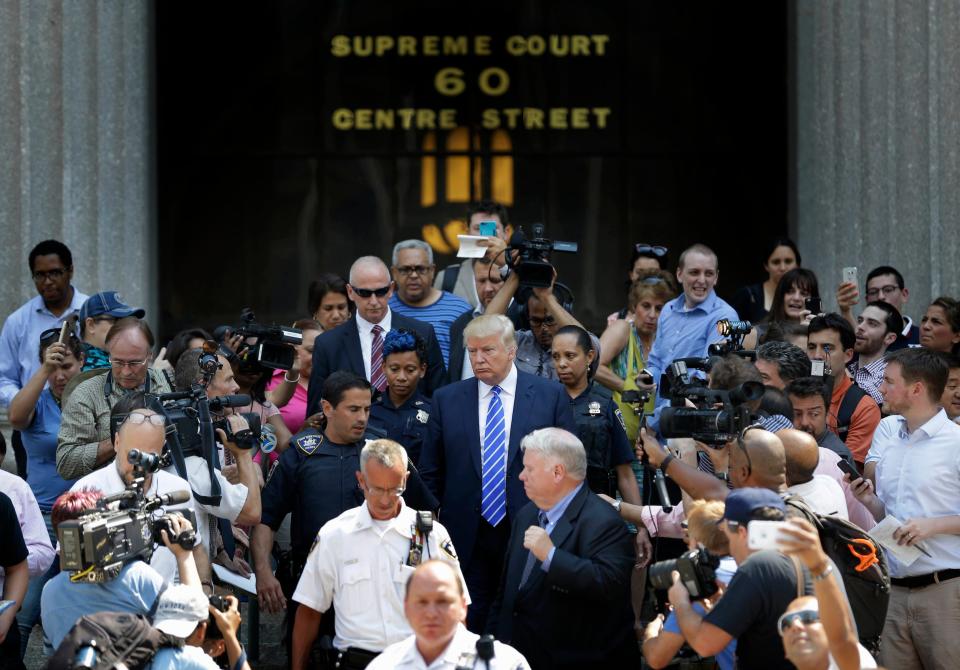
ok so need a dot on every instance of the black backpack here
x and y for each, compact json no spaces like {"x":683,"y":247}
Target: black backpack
{"x":862,"y":566}
{"x":120,"y":640}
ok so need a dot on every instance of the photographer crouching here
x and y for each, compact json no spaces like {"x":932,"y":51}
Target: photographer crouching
{"x":708,"y":560}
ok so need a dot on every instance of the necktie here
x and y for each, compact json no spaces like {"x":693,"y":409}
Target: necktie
{"x":493,"y":507}
{"x":531,"y":559}
{"x":377,"y":378}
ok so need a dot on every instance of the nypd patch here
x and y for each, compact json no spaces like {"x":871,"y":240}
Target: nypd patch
{"x":447,"y":547}
{"x":422,"y":416}
{"x":619,"y":415}
{"x":309,"y":443}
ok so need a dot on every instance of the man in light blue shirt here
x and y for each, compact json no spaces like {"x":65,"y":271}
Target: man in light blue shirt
{"x":51,"y":266}
{"x":688,"y":324}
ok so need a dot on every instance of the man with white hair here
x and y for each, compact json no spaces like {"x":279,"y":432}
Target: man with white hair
{"x":357,"y":345}
{"x":568,"y":566}
{"x":413,"y":270}
{"x":471,"y":459}
{"x":360,"y":563}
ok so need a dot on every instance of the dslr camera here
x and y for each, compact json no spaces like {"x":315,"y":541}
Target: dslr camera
{"x":273,"y":348}
{"x":122,"y":527}
{"x":533,"y":259}
{"x":718,"y":415}
{"x":697,"y":570}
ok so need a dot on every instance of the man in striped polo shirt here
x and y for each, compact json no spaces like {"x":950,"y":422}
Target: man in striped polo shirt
{"x":878,"y":327}
{"x":413,"y":270}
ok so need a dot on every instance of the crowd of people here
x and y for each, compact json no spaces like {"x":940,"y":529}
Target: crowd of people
{"x":449,"y":469}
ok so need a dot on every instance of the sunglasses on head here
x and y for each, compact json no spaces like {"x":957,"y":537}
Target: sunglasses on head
{"x":53,"y":334}
{"x":806,"y":617}
{"x":656,"y":250}
{"x":367,"y":292}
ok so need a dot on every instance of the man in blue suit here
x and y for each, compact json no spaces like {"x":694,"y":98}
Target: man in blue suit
{"x":357,"y":345}
{"x":471,"y":457}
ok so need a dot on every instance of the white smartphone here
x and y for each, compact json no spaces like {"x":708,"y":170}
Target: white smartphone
{"x":850,"y":275}
{"x":764,"y":534}
{"x":817,"y":368}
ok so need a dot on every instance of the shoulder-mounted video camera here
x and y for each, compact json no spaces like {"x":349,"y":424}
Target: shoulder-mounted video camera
{"x":533,"y":259}
{"x":274,"y":346}
{"x":122,"y":527}
{"x":718,"y":416}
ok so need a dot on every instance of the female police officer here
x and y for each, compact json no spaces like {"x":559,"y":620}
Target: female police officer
{"x":599,"y":424}
{"x":401,"y":412}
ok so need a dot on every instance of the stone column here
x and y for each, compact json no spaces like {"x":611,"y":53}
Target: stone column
{"x":877,"y":137}
{"x":76,"y":140}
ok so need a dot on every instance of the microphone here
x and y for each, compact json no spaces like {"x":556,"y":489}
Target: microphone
{"x":240,"y":400}
{"x":485,"y":648}
{"x":175,"y":498}
{"x":661,"y":485}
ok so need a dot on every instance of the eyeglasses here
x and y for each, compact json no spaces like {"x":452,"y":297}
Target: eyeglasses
{"x":378,"y":492}
{"x":367,"y":292}
{"x":656,"y":250}
{"x":136,"y":418}
{"x":787,"y":619}
{"x":539,"y":323}
{"x":53,"y":334}
{"x":743,"y":447}
{"x":133,"y":365}
{"x":407,"y":270}
{"x":54,"y":274}
{"x":889,"y":289}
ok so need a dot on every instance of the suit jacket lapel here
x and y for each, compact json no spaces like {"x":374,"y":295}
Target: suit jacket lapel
{"x":351,"y":343}
{"x":521,"y":412}
{"x":471,"y":418}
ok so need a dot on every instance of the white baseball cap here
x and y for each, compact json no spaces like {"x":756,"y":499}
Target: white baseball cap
{"x":180,"y":609}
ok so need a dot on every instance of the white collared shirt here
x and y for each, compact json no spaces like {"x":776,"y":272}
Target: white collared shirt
{"x":366,"y":336}
{"x":508,"y":395}
{"x":918,"y":477}
{"x":404,"y":655}
{"x":107,"y":480}
{"x":362,"y":570}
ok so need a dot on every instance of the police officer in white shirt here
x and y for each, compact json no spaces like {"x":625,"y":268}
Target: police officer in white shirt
{"x":917,"y":456}
{"x":436,"y":608}
{"x":360,"y":563}
{"x":143,"y":429}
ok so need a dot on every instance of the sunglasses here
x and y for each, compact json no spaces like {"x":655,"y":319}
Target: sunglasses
{"x":806,"y":617}
{"x":743,"y":447}
{"x":367,"y":292}
{"x":652,"y":281}
{"x":53,"y":334}
{"x":656,"y":250}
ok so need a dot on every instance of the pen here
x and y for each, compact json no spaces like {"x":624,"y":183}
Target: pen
{"x":921,"y":550}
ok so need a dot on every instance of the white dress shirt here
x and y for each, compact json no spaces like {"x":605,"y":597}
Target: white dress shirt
{"x":404,"y":655}
{"x":508,"y":395}
{"x":823,"y":495}
{"x":107,"y":479}
{"x":366,"y":336}
{"x":359,"y":566}
{"x":918,"y":477}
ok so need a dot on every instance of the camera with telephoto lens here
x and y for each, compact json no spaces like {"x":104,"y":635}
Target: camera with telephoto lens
{"x":184,"y":412}
{"x":697,"y":570}
{"x":122,"y":527}
{"x":273,"y":349}
{"x":718,"y":416}
{"x":734,"y":331}
{"x":533,"y":259}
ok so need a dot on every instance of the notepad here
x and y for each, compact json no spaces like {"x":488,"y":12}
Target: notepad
{"x":469,"y":247}
{"x":883,"y":533}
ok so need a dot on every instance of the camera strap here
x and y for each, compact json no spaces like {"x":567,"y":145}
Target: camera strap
{"x":209,"y":451}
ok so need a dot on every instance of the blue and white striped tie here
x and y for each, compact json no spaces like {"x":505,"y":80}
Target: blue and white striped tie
{"x":493,"y":507}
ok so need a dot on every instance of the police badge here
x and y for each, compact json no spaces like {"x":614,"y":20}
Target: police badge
{"x":594,"y":408}
{"x":422,"y":416}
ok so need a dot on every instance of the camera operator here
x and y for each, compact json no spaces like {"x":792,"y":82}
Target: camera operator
{"x":134,"y":590}
{"x":818,"y":631}
{"x":918,"y":483}
{"x":143,"y":429}
{"x":545,"y":314}
{"x":435,"y":606}
{"x":662,"y":639}
{"x":184,"y":612}
{"x":84,"y":442}
{"x":240,"y":501}
{"x":779,"y":363}
{"x":761,"y":589}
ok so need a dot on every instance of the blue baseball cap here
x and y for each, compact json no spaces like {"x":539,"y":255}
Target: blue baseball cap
{"x":108,"y":303}
{"x":742,"y":503}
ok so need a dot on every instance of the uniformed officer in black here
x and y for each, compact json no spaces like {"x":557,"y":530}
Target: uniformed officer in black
{"x":315,"y":481}
{"x":401,"y":412}
{"x":598,"y":419}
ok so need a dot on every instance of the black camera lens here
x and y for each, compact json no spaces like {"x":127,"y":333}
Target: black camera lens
{"x":660,"y":574}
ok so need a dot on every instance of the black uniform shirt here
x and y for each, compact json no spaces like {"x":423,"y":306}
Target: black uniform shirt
{"x":406,"y":424}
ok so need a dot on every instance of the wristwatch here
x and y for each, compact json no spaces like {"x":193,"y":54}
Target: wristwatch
{"x":616,"y":505}
{"x":823,"y":575}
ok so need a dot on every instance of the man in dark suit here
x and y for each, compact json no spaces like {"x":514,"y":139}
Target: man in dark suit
{"x":357,"y":345}
{"x":471,"y":456}
{"x":564,"y":600}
